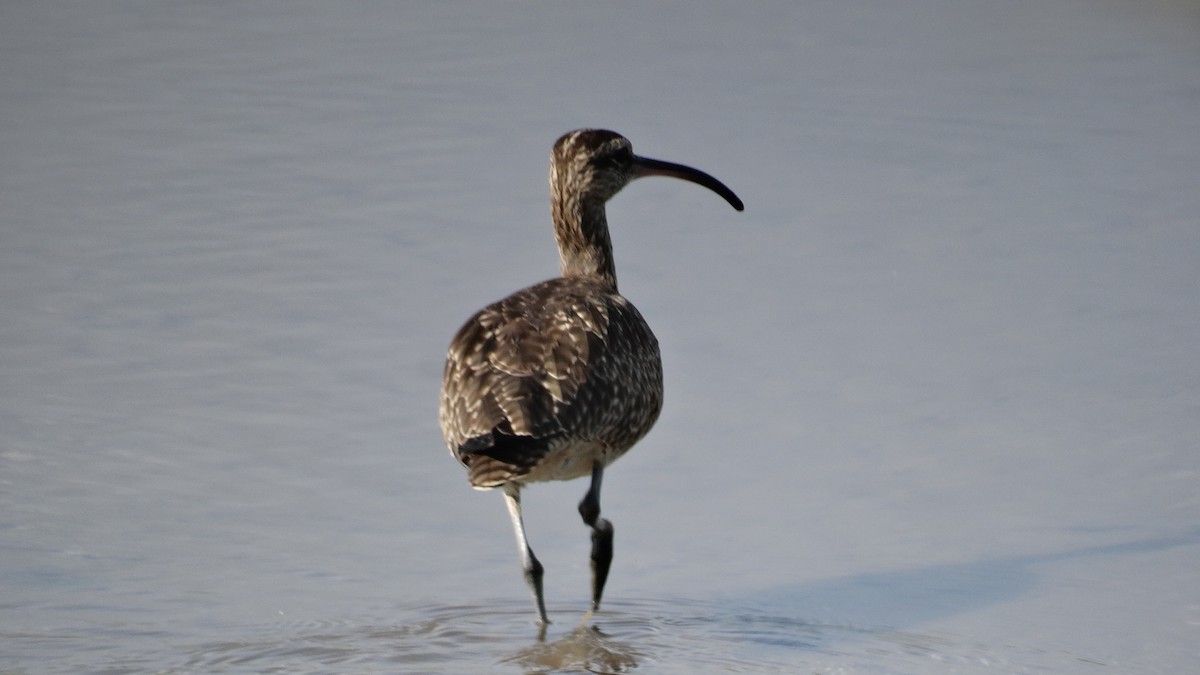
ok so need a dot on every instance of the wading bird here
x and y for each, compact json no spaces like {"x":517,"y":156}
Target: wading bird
{"x":559,"y":379}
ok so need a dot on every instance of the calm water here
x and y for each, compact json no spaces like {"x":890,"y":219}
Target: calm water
{"x":932,"y":400}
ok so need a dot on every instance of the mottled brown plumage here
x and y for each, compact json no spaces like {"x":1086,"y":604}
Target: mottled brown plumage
{"x":559,"y":379}
{"x":567,"y":370}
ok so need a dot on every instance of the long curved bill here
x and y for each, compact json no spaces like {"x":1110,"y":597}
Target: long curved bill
{"x":644,"y":166}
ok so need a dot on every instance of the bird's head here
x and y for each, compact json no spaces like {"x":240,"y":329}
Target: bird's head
{"x":591,"y":164}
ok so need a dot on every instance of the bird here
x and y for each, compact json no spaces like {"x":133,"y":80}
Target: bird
{"x":559,"y":379}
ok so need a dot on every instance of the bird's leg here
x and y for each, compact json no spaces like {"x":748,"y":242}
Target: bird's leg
{"x":602,"y":536}
{"x":529,"y":562}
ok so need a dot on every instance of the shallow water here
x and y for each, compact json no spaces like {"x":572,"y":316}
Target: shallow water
{"x":931,"y":400}
{"x":668,"y":636}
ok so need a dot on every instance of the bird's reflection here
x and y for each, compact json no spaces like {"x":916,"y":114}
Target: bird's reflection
{"x":585,"y":648}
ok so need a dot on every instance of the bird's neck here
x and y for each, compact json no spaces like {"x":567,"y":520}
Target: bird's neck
{"x":584,"y":245}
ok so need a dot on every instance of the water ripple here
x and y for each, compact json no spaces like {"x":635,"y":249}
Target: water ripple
{"x":660,"y":636}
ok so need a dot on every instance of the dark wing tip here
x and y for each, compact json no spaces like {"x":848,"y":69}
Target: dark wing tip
{"x":519,"y":452}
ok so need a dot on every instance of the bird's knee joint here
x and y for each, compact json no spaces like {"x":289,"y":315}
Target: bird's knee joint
{"x":590,"y":511}
{"x":602,"y":529}
{"x":534,"y":570}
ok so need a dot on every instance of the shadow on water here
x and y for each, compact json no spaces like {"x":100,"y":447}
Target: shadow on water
{"x":760,"y":633}
{"x":919,"y":595}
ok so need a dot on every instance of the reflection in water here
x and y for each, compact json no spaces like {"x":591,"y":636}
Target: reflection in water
{"x":586,"y":648}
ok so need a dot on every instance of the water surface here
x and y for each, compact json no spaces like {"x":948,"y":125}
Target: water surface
{"x":931,"y":400}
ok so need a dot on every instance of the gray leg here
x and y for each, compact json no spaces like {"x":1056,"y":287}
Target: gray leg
{"x":529,"y":562}
{"x":602,"y":535}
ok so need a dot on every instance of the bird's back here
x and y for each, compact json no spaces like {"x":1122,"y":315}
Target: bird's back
{"x":542,"y":383}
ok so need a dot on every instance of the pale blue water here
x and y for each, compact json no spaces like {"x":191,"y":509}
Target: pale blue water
{"x":932,"y":400}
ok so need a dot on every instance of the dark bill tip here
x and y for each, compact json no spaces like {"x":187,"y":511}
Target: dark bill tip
{"x":654,"y":167}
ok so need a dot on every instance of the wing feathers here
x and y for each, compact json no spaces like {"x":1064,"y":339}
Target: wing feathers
{"x":536,"y":367}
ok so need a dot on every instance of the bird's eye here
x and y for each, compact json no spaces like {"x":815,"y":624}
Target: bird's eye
{"x":619,"y":158}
